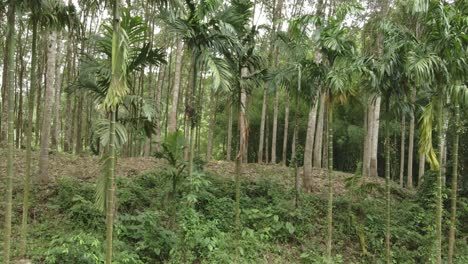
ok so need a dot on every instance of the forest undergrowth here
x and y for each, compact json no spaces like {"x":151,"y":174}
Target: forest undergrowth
{"x":195,"y":223}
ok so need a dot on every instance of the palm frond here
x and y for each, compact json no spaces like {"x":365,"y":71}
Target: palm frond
{"x":425,"y":140}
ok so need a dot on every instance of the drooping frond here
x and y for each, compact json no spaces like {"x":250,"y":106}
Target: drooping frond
{"x":425,"y":140}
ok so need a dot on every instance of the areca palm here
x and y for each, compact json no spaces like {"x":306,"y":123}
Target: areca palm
{"x":207,"y":28}
{"x":438,"y":61}
{"x":10,"y":62}
{"x":334,"y":50}
{"x":39,"y":15}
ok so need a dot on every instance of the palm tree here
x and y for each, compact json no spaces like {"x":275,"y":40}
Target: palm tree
{"x":117,"y":89}
{"x":206,"y":28}
{"x":56,"y":17}
{"x":459,"y":96}
{"x":10,"y":77}
{"x":334,"y":49}
{"x":39,"y":15}
{"x":438,"y":61}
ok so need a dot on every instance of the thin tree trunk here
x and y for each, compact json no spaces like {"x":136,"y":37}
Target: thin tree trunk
{"x":79,"y":125}
{"x":267,"y":138}
{"x":422,"y":163}
{"x":387,"y":188}
{"x":309,"y":146}
{"x":19,"y":124}
{"x":9,"y":89}
{"x":439,"y":179}
{"x":48,"y":100}
{"x":375,"y":137}
{"x":367,"y":141}
{"x":285,"y":134}
{"x":191,"y":111}
{"x":402,"y":149}
{"x":262,"y":126}
{"x":27,"y":177}
{"x":110,"y":195}
{"x":242,"y":140}
{"x":275,"y":128}
{"x":229,"y":133}
{"x":294,"y":157}
{"x":213,"y":105}
{"x":318,"y":141}
{"x":411,"y":141}
{"x":175,"y":90}
{"x":330,"y":185}
{"x":67,"y":145}
{"x":40,"y":86}
{"x":325,"y":142}
{"x":453,"y":196}
{"x":56,"y":125}
{"x":158,"y":99}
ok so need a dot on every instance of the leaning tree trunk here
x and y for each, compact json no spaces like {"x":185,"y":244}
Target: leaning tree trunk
{"x":48,"y":99}
{"x":402,"y":149}
{"x":318,"y":144}
{"x":285,"y":134}
{"x":262,"y":126}
{"x":453,"y":197}
{"x":9,"y":87}
{"x":309,"y":146}
{"x":175,"y":90}
{"x":411,"y":141}
{"x":27,"y":176}
{"x":58,"y":84}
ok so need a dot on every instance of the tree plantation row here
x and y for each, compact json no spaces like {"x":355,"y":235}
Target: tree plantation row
{"x":372,"y":87}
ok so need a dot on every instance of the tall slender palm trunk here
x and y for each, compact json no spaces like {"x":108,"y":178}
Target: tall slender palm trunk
{"x":318,"y":141}
{"x":175,"y":91}
{"x":211,"y":128}
{"x":58,"y":84}
{"x":402,"y":149}
{"x":439,"y":178}
{"x":9,"y":87}
{"x":330,"y":185}
{"x":387,"y":188}
{"x":229,"y":133}
{"x":110,"y":192}
{"x":285,"y":133}
{"x":411,"y":141}
{"x":453,"y":196}
{"x":422,"y":165}
{"x":48,"y":98}
{"x":275,"y":129}
{"x":110,"y":181}
{"x":27,"y":176}
{"x":375,"y":136}
{"x":158,"y":98}
{"x":309,"y":146}
{"x":262,"y":126}
{"x":242,"y":141}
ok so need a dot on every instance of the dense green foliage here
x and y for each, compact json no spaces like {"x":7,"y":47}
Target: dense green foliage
{"x":68,"y":228}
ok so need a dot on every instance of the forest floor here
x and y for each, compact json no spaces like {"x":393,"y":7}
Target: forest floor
{"x":86,"y":167}
{"x":65,"y":223}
